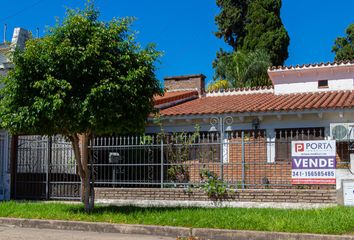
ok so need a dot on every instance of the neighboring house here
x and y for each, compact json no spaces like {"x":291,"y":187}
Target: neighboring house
{"x":305,"y":102}
{"x":4,"y":162}
{"x":19,"y":38}
{"x":4,"y":61}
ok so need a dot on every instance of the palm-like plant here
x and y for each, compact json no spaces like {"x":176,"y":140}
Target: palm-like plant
{"x":243,"y":69}
{"x":219,"y":84}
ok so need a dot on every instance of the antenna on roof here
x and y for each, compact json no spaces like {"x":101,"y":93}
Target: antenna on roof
{"x":37,"y":32}
{"x":5,"y":28}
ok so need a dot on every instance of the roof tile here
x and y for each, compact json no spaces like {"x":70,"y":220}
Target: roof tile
{"x":262,"y":102}
{"x":321,"y":64}
{"x":174,"y":96}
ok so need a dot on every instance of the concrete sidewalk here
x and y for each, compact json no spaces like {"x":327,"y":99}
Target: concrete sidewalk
{"x":10,"y":232}
{"x":165,"y":231}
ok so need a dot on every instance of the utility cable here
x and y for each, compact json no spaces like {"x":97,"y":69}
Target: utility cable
{"x":21,"y":10}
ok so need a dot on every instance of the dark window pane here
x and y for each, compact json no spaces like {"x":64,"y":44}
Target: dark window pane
{"x":286,"y":135}
{"x":322,"y":83}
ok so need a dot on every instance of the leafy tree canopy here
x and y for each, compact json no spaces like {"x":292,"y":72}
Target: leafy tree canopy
{"x":344,"y":46}
{"x":249,"y":25}
{"x":243,"y":69}
{"x":84,"y":76}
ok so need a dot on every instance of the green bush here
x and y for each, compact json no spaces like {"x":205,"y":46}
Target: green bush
{"x":214,"y":186}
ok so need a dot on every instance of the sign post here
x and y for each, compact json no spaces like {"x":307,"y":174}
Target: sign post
{"x":313,"y":162}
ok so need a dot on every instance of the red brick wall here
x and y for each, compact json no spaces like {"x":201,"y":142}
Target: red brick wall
{"x":257,"y":171}
{"x":256,"y":167}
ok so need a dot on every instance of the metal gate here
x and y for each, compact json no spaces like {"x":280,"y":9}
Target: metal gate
{"x":45,"y":168}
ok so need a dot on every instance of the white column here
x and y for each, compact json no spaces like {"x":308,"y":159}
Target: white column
{"x":327,"y":133}
{"x":351,"y":155}
{"x":225,"y":149}
{"x":270,"y":145}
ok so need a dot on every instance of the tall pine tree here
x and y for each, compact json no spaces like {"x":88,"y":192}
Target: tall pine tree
{"x":249,"y":25}
{"x":231,"y":21}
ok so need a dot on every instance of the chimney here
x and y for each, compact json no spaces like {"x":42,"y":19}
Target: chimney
{"x":186,"y":82}
{"x":19,"y":37}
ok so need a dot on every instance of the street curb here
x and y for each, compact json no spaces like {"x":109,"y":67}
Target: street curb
{"x":223,"y":234}
{"x":167,"y":231}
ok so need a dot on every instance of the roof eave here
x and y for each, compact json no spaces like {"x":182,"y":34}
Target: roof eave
{"x":250,"y":114}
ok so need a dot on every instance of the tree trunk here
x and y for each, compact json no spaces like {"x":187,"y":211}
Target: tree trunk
{"x":81,"y":152}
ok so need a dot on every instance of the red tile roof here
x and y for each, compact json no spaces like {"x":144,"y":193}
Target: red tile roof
{"x":174,"y":96}
{"x":263,"y":102}
{"x":311,"y":65}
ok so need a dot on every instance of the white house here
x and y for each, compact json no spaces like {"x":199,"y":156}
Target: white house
{"x":314,"y":101}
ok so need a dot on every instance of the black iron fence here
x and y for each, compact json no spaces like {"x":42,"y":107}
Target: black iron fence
{"x":46,"y":168}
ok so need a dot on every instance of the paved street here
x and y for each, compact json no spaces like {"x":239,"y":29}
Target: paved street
{"x":16,"y":233}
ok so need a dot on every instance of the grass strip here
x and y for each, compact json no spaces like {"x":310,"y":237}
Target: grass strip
{"x":333,"y":220}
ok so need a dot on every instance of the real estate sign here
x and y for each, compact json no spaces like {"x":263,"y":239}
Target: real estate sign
{"x":313,"y":162}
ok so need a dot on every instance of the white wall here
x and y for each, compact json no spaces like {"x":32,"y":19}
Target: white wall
{"x":303,"y":87}
{"x":298,"y":80}
{"x":343,"y":174}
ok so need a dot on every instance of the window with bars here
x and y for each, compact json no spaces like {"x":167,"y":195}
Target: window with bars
{"x":343,"y":151}
{"x":249,"y":135}
{"x":206,"y":147}
{"x":285,"y":136}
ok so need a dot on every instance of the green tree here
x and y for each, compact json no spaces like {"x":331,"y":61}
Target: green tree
{"x":249,"y":25}
{"x":344,"y":46}
{"x":265,"y":30}
{"x":242,"y":69}
{"x":231,"y":21}
{"x":219,"y":84}
{"x":84,"y":78}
